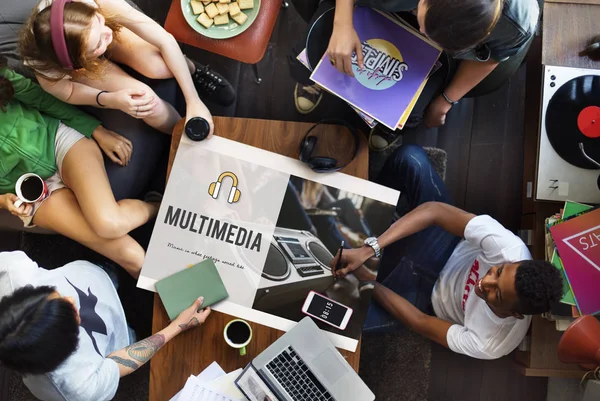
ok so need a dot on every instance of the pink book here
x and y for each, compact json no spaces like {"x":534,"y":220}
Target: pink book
{"x":578,"y":244}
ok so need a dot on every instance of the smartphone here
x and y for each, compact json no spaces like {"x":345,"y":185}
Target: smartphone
{"x":327,"y":310}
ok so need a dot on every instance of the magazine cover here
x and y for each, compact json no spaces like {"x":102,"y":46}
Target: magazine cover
{"x":397,"y":62}
{"x":272,"y":226}
{"x":577,"y":243}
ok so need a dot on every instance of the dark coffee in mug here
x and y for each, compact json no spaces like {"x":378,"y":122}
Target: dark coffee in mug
{"x":32,"y":188}
{"x":238,"y":332}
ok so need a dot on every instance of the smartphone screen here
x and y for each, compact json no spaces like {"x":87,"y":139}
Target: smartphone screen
{"x":324,"y":309}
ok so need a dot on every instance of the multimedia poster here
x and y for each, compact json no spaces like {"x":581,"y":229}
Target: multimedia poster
{"x":272,"y":226}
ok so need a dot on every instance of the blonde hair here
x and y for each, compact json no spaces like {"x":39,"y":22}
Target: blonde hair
{"x":35,"y":43}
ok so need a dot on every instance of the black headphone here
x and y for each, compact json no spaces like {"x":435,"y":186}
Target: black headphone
{"x":323,"y":164}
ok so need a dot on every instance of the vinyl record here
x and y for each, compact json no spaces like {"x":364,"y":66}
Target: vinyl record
{"x":573,"y":121}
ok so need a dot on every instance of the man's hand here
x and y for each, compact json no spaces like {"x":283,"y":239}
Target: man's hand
{"x":436,"y":112}
{"x":117,"y":147}
{"x":352,"y":259}
{"x":199,"y":109}
{"x":343,"y":42}
{"x":7,"y":201}
{"x":193,"y":316}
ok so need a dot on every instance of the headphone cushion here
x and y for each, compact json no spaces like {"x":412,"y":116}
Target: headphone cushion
{"x":307,"y":146}
{"x":211,"y":188}
{"x":322,"y":163}
{"x":236,"y":196}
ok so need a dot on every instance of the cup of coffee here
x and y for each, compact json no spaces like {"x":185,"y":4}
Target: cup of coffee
{"x":30,"y":188}
{"x":238,"y":334}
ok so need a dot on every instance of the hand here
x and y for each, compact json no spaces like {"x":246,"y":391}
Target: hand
{"x":7,"y":201}
{"x":117,"y":147}
{"x":192,"y":316}
{"x":199,"y":109}
{"x":436,"y":112}
{"x":352,"y":259}
{"x":134,"y":102}
{"x":343,"y":42}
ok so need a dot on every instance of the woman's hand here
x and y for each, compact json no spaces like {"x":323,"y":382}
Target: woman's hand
{"x":343,"y":42}
{"x":117,"y":148}
{"x":435,"y":115}
{"x":134,"y":102}
{"x":352,"y":259}
{"x":193,"y":316}
{"x":7,"y":201}
{"x":199,"y":109}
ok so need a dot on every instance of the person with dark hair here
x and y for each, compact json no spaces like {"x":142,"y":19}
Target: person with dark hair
{"x":461,"y":280}
{"x":483,"y":34}
{"x":65,"y":332}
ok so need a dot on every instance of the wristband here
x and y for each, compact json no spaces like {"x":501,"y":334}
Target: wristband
{"x":98,"y":98}
{"x":452,"y":102}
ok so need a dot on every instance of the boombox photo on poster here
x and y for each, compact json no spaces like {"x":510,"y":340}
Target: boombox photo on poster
{"x":272,"y":226}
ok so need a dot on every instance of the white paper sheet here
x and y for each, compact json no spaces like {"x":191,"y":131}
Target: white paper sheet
{"x":212,"y":384}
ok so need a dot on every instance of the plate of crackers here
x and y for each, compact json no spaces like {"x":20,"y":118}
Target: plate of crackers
{"x":220,"y":19}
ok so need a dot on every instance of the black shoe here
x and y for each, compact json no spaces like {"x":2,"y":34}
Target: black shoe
{"x":382,"y":138}
{"x":210,"y":84}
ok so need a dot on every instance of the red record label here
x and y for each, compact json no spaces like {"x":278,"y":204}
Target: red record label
{"x":588,"y":121}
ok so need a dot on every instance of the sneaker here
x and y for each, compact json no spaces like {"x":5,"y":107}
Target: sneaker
{"x":210,"y":84}
{"x":307,"y":98}
{"x":382,"y":138}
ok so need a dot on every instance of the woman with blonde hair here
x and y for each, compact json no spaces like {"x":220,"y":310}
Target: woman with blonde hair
{"x":73,"y":48}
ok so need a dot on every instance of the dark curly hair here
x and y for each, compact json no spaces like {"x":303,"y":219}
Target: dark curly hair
{"x":539,"y":287}
{"x":6,"y":89}
{"x":37,"y":334}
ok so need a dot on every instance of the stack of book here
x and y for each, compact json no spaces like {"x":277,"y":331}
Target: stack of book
{"x":398,"y":61}
{"x":573,"y":247}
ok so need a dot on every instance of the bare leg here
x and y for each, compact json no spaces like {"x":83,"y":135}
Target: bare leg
{"x":142,"y":56}
{"x":114,"y":78}
{"x":84,"y":173}
{"x":61,"y":213}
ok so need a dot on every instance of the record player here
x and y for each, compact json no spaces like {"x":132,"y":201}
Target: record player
{"x":569,"y":148}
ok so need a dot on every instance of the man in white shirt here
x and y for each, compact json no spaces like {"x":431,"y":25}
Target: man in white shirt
{"x":483,"y":289}
{"x":64,"y":330}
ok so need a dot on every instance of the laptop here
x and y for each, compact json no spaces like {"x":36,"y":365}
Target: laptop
{"x":302,"y":365}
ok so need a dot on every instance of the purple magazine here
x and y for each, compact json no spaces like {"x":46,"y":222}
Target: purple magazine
{"x":396,"y":62}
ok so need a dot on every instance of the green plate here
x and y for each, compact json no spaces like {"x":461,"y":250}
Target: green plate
{"x":219,"y":31}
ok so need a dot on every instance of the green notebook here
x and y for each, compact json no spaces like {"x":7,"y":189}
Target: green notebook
{"x":179,"y":291}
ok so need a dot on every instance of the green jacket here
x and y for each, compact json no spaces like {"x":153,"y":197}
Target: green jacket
{"x":28,"y":127}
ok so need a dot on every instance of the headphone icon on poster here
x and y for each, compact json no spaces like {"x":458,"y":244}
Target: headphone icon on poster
{"x":215,"y":187}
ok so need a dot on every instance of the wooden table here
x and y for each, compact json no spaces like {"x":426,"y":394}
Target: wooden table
{"x":192,"y":351}
{"x":567,"y":29}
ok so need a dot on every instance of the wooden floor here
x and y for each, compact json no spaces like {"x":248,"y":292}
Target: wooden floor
{"x":484,"y":141}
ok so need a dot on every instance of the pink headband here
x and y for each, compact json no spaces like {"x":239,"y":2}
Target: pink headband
{"x":57,"y":33}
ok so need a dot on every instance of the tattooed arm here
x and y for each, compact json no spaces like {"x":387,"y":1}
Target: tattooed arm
{"x":132,"y":357}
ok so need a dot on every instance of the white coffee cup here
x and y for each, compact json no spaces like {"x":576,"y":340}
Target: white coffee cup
{"x":30,"y":188}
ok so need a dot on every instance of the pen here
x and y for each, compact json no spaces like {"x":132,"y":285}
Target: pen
{"x":339,"y":261}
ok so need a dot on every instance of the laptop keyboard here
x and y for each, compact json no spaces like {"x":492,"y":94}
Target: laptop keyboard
{"x":296,"y":378}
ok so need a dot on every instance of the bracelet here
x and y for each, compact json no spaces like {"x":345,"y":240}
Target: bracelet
{"x":452,"y":102}
{"x":98,"y":98}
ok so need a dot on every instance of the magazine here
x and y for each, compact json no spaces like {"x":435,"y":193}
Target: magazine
{"x":272,"y":226}
{"x":577,"y":244}
{"x":397,"y":63}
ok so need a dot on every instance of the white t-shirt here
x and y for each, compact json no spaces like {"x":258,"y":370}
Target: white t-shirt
{"x":477,"y":331}
{"x":86,"y":374}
